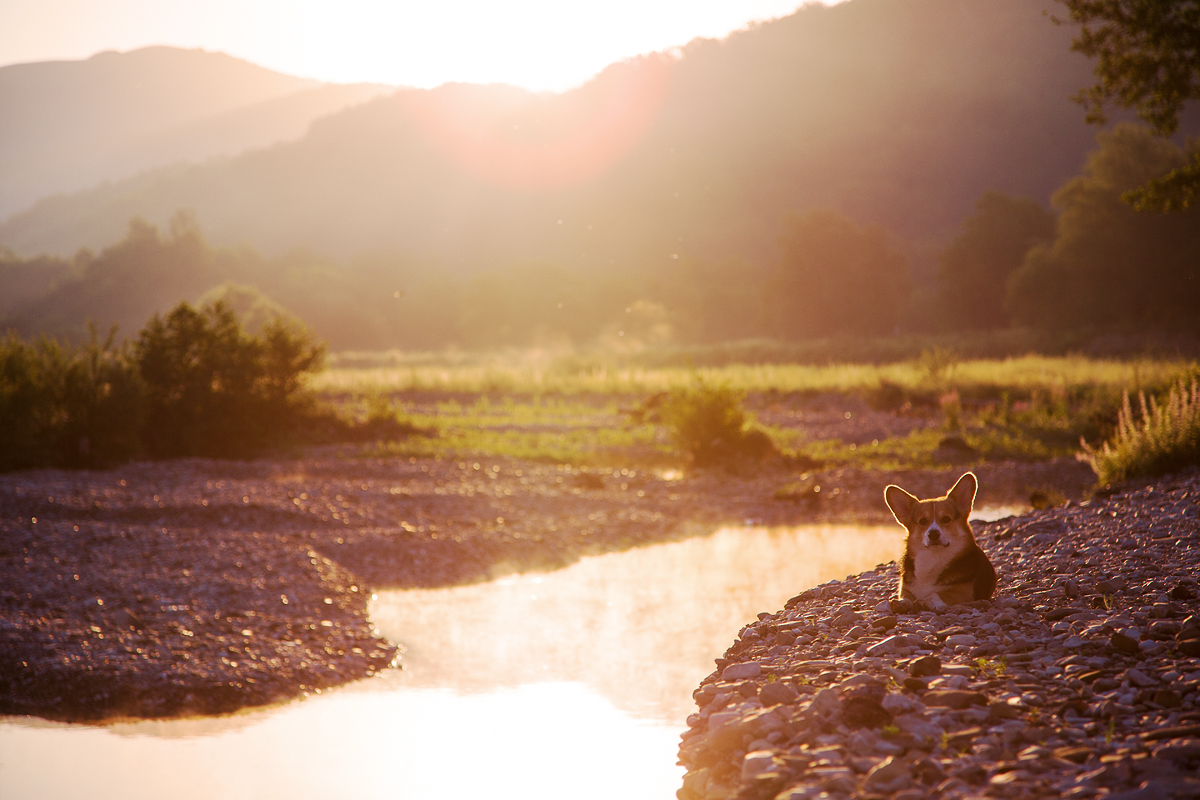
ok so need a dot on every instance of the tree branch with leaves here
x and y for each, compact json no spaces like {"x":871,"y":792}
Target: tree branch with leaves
{"x":1148,"y":59}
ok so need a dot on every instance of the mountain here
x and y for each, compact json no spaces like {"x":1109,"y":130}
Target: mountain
{"x":895,"y":112}
{"x":71,"y":124}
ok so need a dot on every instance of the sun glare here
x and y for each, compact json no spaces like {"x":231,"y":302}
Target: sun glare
{"x":538,"y":145}
{"x":535,"y":44}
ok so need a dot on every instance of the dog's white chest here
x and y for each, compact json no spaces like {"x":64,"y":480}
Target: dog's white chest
{"x":928,"y":565}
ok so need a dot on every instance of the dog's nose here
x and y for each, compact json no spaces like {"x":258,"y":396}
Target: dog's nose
{"x":935,"y":535}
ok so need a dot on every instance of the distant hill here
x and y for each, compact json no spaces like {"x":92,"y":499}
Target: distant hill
{"x":896,"y":112}
{"x":71,"y":124}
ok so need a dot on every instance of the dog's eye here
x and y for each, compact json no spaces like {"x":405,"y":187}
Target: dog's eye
{"x":945,"y":520}
{"x":923,"y":521}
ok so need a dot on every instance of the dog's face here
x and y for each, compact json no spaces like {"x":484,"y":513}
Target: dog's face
{"x":938,"y":523}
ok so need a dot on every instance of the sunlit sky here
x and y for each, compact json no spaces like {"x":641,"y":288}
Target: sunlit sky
{"x":537,"y":44}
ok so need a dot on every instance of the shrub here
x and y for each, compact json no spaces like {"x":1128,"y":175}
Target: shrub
{"x":25,"y":403}
{"x":214,"y":390}
{"x":67,"y":407}
{"x":385,"y":421}
{"x":101,"y":396}
{"x":1166,"y":439}
{"x":708,"y":424}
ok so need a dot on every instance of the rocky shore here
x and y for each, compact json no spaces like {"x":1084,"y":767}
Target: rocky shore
{"x":1079,"y":679}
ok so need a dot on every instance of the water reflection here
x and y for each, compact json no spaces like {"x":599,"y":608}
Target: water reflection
{"x":534,"y":741}
{"x":569,"y":684}
{"x":641,"y":627}
{"x":991,"y":513}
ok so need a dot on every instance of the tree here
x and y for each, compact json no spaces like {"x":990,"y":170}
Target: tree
{"x":214,"y":390}
{"x":1148,"y":55}
{"x":65,"y":406}
{"x":974,"y":270}
{"x":1110,"y":267}
{"x":837,"y":278}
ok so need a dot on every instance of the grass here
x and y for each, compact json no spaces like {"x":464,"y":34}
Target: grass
{"x":538,"y":406}
{"x":914,"y":450}
{"x":543,"y":429}
{"x":541,"y":375}
{"x":991,"y":668}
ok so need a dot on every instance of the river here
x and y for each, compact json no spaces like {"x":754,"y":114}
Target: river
{"x":574,"y":683}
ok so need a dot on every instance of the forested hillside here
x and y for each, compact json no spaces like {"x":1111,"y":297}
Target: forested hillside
{"x":869,"y":168}
{"x":894,"y":113}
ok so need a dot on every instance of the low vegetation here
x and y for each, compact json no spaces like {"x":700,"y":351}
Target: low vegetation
{"x":194,"y":383}
{"x":529,"y":406}
{"x":61,"y":406}
{"x":709,"y":425}
{"x":555,"y":430}
{"x":922,"y":378}
{"x":1165,"y":439}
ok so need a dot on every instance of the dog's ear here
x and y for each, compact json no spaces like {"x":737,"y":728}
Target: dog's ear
{"x":962,"y":496}
{"x":901,"y":503}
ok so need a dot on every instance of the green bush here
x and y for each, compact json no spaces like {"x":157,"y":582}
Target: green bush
{"x":1166,"y":439}
{"x":25,"y":403}
{"x":102,"y":405}
{"x":195,"y":383}
{"x":212,"y":389}
{"x":708,"y":424}
{"x":67,"y":407}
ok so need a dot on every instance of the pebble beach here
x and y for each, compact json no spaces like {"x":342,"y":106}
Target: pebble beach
{"x":1080,"y":678}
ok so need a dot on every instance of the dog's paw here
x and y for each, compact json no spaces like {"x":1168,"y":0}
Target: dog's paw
{"x":934,"y":603}
{"x":902,"y":605}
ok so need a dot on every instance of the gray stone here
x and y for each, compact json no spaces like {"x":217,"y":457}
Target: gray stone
{"x":888,"y":646}
{"x":895,"y":703}
{"x":925,"y":666}
{"x":720,"y":719}
{"x":846,"y":619}
{"x":826,"y":702}
{"x":775,"y":693}
{"x":999,"y":709}
{"x":1124,"y":642}
{"x":954,"y":698}
{"x":834,"y":779}
{"x":1179,"y":750}
{"x":918,"y":726}
{"x":758,"y":762}
{"x":1139,"y":678}
{"x":737,"y":672}
{"x":1150,"y":790}
{"x":799,"y":793}
{"x":887,"y":771}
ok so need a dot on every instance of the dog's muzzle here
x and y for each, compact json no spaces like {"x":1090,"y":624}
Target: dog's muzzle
{"x":934,"y":538}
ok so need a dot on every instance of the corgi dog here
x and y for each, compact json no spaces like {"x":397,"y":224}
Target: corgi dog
{"x":942,"y":563}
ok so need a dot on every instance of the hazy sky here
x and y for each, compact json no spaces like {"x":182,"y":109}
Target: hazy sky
{"x":538,"y":44}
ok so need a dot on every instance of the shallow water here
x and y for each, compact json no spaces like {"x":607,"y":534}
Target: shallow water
{"x":575,"y":683}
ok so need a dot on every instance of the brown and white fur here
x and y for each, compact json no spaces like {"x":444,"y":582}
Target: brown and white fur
{"x":942,"y":563}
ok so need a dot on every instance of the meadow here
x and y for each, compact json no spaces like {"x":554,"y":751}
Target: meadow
{"x":535,"y":405}
{"x":534,"y":373}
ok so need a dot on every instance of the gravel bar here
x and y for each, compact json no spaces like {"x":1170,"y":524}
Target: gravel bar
{"x":1079,"y":679}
